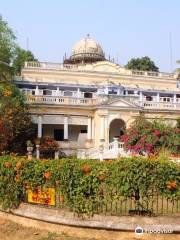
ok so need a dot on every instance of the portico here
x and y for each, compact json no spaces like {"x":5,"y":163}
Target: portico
{"x":68,"y":130}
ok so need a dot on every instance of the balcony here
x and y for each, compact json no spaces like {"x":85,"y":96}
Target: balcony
{"x":74,"y":100}
{"x":160,"y":105}
{"x":59,"y":100}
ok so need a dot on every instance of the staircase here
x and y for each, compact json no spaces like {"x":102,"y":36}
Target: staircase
{"x":114,"y":150}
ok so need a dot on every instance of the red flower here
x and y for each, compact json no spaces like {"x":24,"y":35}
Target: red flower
{"x":124,"y":138}
{"x":157,"y":133}
{"x":171,"y":185}
{"x":86,"y":169}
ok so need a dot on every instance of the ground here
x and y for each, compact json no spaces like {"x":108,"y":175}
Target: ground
{"x":10,"y":230}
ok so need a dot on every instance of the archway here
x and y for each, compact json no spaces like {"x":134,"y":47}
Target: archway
{"x":116,"y":129}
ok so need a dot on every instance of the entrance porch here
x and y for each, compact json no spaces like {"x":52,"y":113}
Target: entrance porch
{"x":71,"y":132}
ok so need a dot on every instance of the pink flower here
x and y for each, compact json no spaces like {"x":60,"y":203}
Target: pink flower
{"x":124,"y":138}
{"x":157,"y":133}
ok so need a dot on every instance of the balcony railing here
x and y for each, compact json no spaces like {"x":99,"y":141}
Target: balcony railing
{"x":70,"y":100}
{"x":160,"y":105}
{"x":47,"y":65}
{"x":60,"y":100}
{"x":61,"y":66}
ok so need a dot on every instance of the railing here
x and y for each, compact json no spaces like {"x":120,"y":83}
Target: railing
{"x":160,"y":105}
{"x":61,"y":66}
{"x":111,"y":203}
{"x":153,"y":74}
{"x":114,"y":145}
{"x":47,"y":65}
{"x":112,"y":151}
{"x":70,"y":100}
{"x":60,"y":100}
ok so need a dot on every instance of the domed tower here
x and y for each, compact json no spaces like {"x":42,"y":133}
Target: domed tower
{"x":87,"y":50}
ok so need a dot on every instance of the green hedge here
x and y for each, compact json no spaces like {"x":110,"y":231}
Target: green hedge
{"x":84,"y":183}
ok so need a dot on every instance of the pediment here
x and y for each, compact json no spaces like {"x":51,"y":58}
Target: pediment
{"x":119,"y":103}
{"x":106,"y":66}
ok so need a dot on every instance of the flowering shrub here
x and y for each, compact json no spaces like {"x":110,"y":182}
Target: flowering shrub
{"x":83,"y":184}
{"x":150,"y":137}
{"x":15,"y":122}
{"x":48,"y":146}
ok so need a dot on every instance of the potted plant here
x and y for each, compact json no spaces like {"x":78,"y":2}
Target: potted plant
{"x":29,"y":146}
{"x":48,"y":147}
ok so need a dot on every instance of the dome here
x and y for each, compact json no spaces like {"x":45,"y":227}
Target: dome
{"x":87,"y":49}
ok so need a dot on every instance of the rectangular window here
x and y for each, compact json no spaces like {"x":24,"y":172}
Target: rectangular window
{"x":112,"y":92}
{"x":59,"y":134}
{"x":88,"y":95}
{"x":83,"y":130}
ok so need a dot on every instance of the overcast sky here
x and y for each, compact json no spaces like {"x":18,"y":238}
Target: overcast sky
{"x":124,"y":28}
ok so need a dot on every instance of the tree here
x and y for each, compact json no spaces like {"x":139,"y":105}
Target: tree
{"x":7,"y":50}
{"x":15,"y":121}
{"x":142,"y":64}
{"x":21,"y":56}
{"x":12,"y":57}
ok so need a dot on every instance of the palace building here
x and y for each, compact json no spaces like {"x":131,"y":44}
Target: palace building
{"x":87,"y":101}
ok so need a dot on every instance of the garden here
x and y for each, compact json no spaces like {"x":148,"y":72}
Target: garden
{"x":145,"y":183}
{"x":136,"y":185}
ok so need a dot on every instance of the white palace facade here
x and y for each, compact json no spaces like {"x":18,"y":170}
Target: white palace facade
{"x":87,"y":101}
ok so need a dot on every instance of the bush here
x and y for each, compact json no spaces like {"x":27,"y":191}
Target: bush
{"x":151,"y":136}
{"x":48,"y":146}
{"x":83,"y":184}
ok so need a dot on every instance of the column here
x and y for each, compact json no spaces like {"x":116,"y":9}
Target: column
{"x":66,"y":128}
{"x":157,"y":97}
{"x":39,"y":126}
{"x":93,"y":129}
{"x":118,"y":91}
{"x":57,"y":91}
{"x":78,"y":93}
{"x":141,"y":98}
{"x":89,"y":135}
{"x":135,"y":92}
{"x":174,"y":98}
{"x":102,"y":128}
{"x":37,"y":91}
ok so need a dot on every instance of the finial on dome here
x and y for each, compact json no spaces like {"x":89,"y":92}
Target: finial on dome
{"x":88,"y":35}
